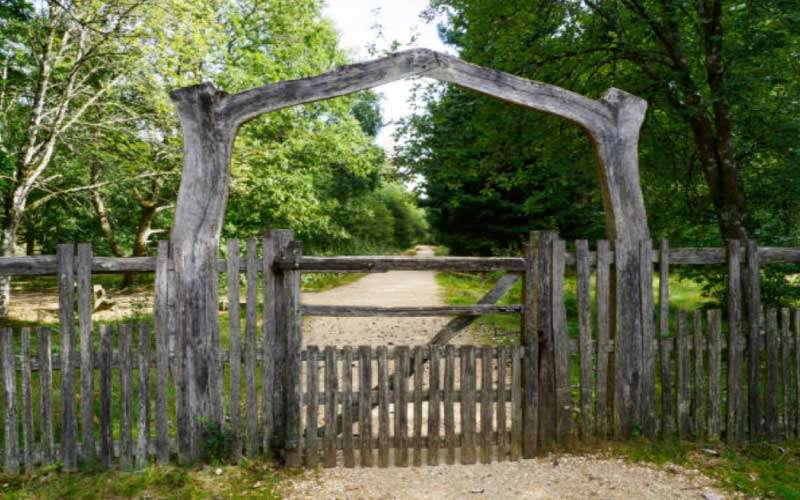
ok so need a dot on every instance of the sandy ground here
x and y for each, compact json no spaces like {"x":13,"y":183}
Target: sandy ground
{"x":548,"y":477}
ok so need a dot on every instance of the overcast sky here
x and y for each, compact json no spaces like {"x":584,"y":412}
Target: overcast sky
{"x":399,"y":20}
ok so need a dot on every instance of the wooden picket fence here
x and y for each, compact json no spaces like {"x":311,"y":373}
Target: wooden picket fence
{"x":113,"y":393}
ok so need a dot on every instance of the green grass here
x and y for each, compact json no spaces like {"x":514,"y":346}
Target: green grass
{"x":248,"y":479}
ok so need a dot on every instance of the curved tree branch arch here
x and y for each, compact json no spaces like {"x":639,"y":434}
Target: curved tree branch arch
{"x":210,"y":119}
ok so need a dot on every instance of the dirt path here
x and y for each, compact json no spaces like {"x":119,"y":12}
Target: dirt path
{"x":565,"y":477}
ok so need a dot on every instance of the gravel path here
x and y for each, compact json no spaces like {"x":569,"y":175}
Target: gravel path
{"x":564,"y":477}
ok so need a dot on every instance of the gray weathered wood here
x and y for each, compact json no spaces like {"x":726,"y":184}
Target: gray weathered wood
{"x":648,"y":382}
{"x":383,"y":408}
{"x":699,"y":396}
{"x":312,"y":408}
{"x":235,"y":343}
{"x":753,"y":287}
{"x":26,"y":390}
{"x":583,"y":271}
{"x":715,"y":418}
{"x":736,"y":406}
{"x":418,"y":375}
{"x":65,"y":306}
{"x":434,"y":410}
{"x":502,"y":428}
{"x":468,"y":452}
{"x":401,"y":406}
{"x":347,"y":408}
{"x":162,"y":352}
{"x":627,"y":357}
{"x":85,"y":304}
{"x":10,"y":423}
{"x":47,"y":437}
{"x":771,"y":386}
{"x":602,"y":294}
{"x":364,"y":405}
{"x":449,"y":414}
{"x":252,"y":439}
{"x":536,"y":336}
{"x":289,"y":292}
{"x":106,"y":436}
{"x":786,"y":379}
{"x":563,"y":382}
{"x":331,"y":391}
{"x":516,"y":403}
{"x":143,"y":407}
{"x":486,"y":405}
{"x":665,"y":373}
{"x":125,"y":397}
{"x":667,"y":413}
{"x":684,"y":394}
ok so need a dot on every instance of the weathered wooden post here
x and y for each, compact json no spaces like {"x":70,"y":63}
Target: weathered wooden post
{"x":211,"y":117}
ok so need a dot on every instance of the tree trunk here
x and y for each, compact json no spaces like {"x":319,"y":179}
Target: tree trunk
{"x":13,"y":210}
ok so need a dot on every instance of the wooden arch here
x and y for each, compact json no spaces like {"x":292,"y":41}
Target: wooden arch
{"x":210,"y":119}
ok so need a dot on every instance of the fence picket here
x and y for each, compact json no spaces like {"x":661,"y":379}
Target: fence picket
{"x":85,"y":303}
{"x":47,"y":438}
{"x":383,"y":407}
{"x":648,"y":382}
{"x":699,"y":397}
{"x":433,"y":405}
{"x":106,"y":436}
{"x":714,"y":323}
{"x":401,"y":406}
{"x":564,"y":403}
{"x":583,"y":272}
{"x":786,"y":379}
{"x":293,"y":331}
{"x":312,"y":408}
{"x":418,"y":374}
{"x":449,"y":414}
{"x":736,"y":403}
{"x":603,"y":291}
{"x":143,"y":408}
{"x":252,"y":438}
{"x":125,"y":396}
{"x":684,"y":395}
{"x":502,"y":428}
{"x":667,"y":415}
{"x":27,"y":399}
{"x":468,"y":455}
{"x":235,"y":344}
{"x":162,"y":351}
{"x":66,"y":285}
{"x":753,"y":284}
{"x":797,"y":371}
{"x":771,"y":387}
{"x":486,"y":405}
{"x":516,"y":403}
{"x":331,"y":391}
{"x":10,"y":428}
{"x":365,"y":405}
{"x":347,"y":407}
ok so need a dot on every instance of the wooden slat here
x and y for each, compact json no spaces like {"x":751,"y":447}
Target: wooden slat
{"x":538,"y":427}
{"x":235,"y":343}
{"x":648,"y":382}
{"x":602,"y":295}
{"x":401,"y":406}
{"x":449,"y":414}
{"x":736,"y":407}
{"x":66,"y":284}
{"x":434,"y":410}
{"x":381,"y":264}
{"x":408,"y":311}
{"x":162,"y":352}
{"x":364,"y":405}
{"x":26,"y":389}
{"x":699,"y":397}
{"x":797,"y":370}
{"x":293,"y":319}
{"x":106,"y":436}
{"x":753,"y":287}
{"x":418,"y":376}
{"x":347,"y":408}
{"x":786,"y":379}
{"x":516,"y":403}
{"x":564,"y":402}
{"x":383,"y":407}
{"x":125,"y":397}
{"x":10,"y":423}
{"x":312,"y":408}
{"x":715,"y":418}
{"x":47,"y":437}
{"x":85,"y":304}
{"x":331,"y":391}
{"x":468,"y":452}
{"x":684,"y":372}
{"x":583,"y":270}
{"x":771,"y":387}
{"x":502,"y":428}
{"x":667,"y":413}
{"x":143,"y":408}
{"x":667,"y":417}
{"x":252,"y":437}
{"x":486,"y":404}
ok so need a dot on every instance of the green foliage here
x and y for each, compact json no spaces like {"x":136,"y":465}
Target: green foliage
{"x":216,"y":441}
